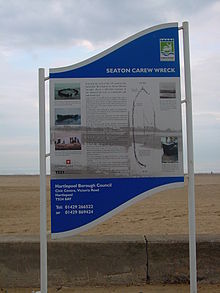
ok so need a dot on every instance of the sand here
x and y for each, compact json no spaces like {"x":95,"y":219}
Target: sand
{"x":164,"y":213}
{"x":124,"y":289}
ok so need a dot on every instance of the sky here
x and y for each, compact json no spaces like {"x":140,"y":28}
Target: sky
{"x":54,"y":33}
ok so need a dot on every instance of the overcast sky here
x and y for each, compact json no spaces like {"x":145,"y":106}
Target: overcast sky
{"x":53,"y":33}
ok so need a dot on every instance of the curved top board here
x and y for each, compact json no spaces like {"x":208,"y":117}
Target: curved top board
{"x":137,"y":51}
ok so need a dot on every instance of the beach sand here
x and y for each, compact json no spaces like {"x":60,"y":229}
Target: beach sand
{"x":165,"y":213}
{"x":124,"y":289}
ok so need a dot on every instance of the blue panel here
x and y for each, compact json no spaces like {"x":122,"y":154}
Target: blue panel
{"x":143,"y":52}
{"x":74,"y":205}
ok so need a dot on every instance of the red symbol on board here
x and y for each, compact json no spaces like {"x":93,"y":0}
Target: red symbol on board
{"x":68,"y":162}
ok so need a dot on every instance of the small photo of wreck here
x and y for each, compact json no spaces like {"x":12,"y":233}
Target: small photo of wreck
{"x":167,"y":90}
{"x":169,"y":146}
{"x":67,"y":116}
{"x":67,"y":142}
{"x":67,"y":91}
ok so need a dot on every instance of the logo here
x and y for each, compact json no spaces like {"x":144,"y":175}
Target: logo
{"x":167,"y":50}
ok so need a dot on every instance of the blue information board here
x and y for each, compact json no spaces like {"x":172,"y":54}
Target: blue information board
{"x":116,"y":132}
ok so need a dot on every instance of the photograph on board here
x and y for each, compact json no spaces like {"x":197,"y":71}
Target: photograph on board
{"x":169,"y":145}
{"x":67,"y":141}
{"x":67,"y":116}
{"x":167,"y":90}
{"x":67,"y":91}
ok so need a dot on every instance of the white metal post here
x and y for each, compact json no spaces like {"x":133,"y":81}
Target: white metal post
{"x":190,"y":159}
{"x":43,"y":194}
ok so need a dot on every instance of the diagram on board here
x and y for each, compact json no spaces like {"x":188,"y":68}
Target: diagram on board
{"x":143,"y":125}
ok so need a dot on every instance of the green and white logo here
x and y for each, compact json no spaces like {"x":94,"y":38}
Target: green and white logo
{"x":167,"y":50}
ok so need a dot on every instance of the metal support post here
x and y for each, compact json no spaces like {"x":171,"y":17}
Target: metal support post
{"x":190,"y":159}
{"x":43,"y":194}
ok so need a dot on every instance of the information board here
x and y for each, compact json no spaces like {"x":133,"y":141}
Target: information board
{"x":116,"y":132}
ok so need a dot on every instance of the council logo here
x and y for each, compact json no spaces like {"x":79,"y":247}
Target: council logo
{"x":167,"y":50}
